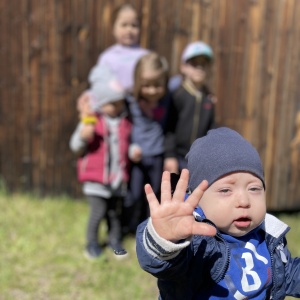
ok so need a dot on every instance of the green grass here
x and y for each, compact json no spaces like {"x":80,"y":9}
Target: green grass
{"x":41,"y":250}
{"x":41,"y":254}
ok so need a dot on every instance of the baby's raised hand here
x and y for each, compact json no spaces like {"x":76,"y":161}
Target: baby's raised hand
{"x":173,"y":218}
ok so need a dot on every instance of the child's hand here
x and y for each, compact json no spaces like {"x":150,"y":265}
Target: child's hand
{"x":83,"y":105}
{"x":213,"y":98}
{"x":87,"y":132}
{"x":171,"y":165}
{"x":135,"y":153}
{"x":173,"y":218}
{"x":137,"y":156}
{"x":85,"y":113}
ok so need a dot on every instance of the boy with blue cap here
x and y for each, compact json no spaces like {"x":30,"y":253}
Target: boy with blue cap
{"x":219,"y":243}
{"x":191,"y":112}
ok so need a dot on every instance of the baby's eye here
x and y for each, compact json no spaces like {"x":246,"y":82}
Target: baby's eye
{"x":224,"y":191}
{"x":255,"y":189}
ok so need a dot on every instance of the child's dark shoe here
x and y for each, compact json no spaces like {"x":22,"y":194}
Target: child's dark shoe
{"x":92,"y":251}
{"x":119,"y":251}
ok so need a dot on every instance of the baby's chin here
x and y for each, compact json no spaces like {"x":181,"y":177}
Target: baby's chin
{"x":238,"y":231}
{"x":239,"y":234}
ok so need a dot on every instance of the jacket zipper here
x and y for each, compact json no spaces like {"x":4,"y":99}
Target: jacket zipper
{"x":227,"y":257}
{"x":225,"y":267}
{"x":280,"y":248}
{"x":196,"y":117}
{"x":198,"y":99}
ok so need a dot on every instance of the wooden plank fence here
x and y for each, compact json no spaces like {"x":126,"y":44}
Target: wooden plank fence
{"x":48,"y":47}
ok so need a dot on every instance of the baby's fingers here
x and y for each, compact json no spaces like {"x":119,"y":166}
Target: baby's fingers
{"x":196,"y":195}
{"x":181,"y":186}
{"x":151,"y":197}
{"x":165,"y":188}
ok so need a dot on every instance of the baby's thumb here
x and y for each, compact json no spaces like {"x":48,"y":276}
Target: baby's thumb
{"x":200,"y":228}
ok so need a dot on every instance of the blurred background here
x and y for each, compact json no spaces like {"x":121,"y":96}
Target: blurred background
{"x":48,"y":47}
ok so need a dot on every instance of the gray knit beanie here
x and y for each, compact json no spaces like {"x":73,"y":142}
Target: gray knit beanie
{"x":104,"y":87}
{"x":220,"y":152}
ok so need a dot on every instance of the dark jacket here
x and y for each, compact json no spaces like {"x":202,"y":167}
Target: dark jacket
{"x":183,"y":270}
{"x":191,"y":115}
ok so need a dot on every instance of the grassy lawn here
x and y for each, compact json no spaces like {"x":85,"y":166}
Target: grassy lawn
{"x":42,"y":254}
{"x":41,"y":250}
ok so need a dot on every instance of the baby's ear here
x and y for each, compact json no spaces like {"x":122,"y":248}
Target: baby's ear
{"x":174,"y":179}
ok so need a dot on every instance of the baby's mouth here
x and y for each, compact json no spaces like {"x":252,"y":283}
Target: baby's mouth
{"x":242,"y":222}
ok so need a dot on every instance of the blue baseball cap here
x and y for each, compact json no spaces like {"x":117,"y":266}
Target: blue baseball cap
{"x":196,"y":49}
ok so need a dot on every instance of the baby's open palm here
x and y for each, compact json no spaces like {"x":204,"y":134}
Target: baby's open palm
{"x":173,"y":218}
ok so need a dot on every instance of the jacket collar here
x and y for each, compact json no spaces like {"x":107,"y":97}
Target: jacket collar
{"x":274,"y":227}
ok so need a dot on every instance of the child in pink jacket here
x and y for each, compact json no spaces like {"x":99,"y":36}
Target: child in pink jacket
{"x":102,"y":139}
